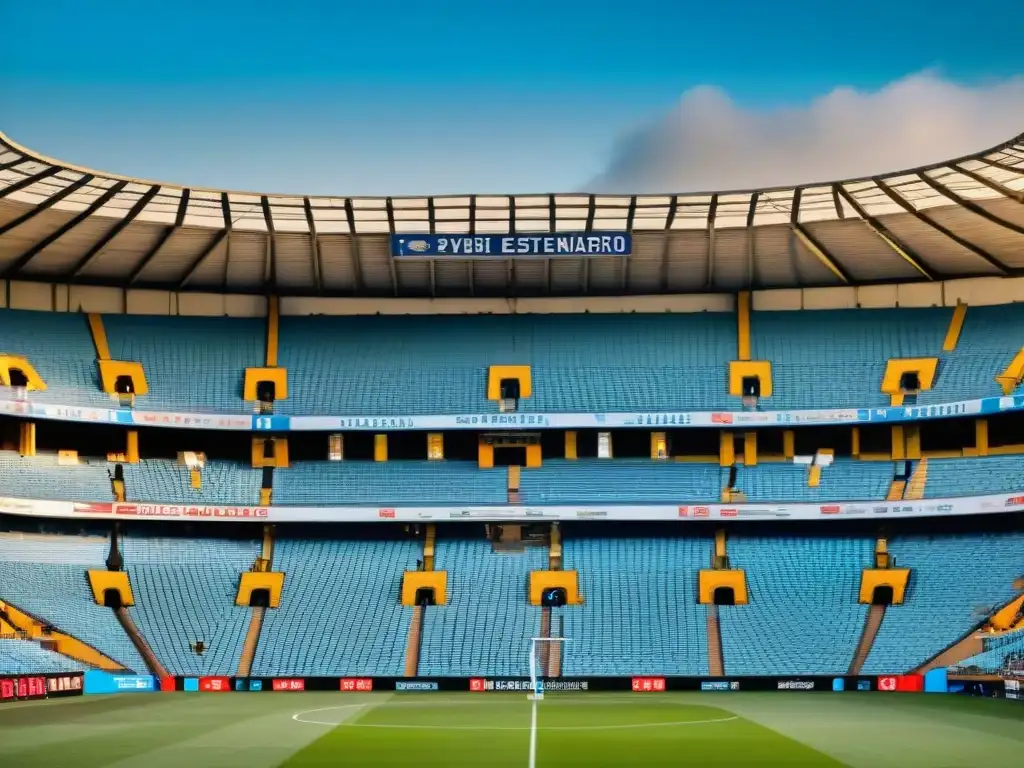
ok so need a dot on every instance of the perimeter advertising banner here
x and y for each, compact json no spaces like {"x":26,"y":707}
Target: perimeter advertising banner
{"x":512,"y":246}
{"x":28,"y":687}
{"x":97,"y":682}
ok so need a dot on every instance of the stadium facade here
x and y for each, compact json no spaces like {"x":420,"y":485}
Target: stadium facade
{"x":410,"y":424}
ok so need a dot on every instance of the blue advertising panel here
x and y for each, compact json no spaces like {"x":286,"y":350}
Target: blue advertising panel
{"x":510,"y":246}
{"x":105,"y":682}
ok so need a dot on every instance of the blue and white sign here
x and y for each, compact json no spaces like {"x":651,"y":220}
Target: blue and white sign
{"x":511,"y":246}
{"x":104,"y":682}
{"x":245,"y":422}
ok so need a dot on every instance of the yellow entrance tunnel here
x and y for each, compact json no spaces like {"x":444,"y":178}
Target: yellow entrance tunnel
{"x":541,"y":581}
{"x":894,"y":578}
{"x":414,"y":581}
{"x":709,"y":581}
{"x":272,"y":581}
{"x":102,"y":581}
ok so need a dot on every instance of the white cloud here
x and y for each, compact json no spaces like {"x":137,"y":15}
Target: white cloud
{"x":708,"y":142}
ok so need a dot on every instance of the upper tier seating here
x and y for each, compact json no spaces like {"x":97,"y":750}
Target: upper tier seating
{"x":621,"y":481}
{"x":26,"y":657}
{"x":485,"y":628}
{"x":40,"y":477}
{"x":339,"y":615}
{"x":392,"y":483}
{"x":166,"y":481}
{"x":974,"y":477}
{"x":185,"y":591}
{"x":837,"y":358}
{"x":803,"y":617}
{"x":843,"y":480}
{"x":989,"y":340}
{"x":414,"y":366}
{"x":640,"y":614}
{"x":956,"y":581}
{"x":190,"y":362}
{"x":60,"y":348}
{"x":45,"y":576}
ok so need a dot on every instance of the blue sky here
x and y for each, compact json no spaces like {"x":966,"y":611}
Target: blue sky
{"x":451,"y":96}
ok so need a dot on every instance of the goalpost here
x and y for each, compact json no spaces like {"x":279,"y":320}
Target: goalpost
{"x":540,"y":655}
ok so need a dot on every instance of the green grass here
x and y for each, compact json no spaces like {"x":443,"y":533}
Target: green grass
{"x":263,"y":730}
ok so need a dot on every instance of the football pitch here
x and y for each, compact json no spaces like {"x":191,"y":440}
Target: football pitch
{"x":261,"y":730}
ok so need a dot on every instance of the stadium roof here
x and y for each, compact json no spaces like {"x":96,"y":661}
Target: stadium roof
{"x":62,"y":223}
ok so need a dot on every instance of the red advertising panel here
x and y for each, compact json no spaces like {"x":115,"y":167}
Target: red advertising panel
{"x":358,"y":684}
{"x":887,"y":683}
{"x":289,"y":685}
{"x":476,"y":684}
{"x":902,"y":683}
{"x":649,"y":684}
{"x":214,"y":684}
{"x":22,"y":688}
{"x":167,"y":684}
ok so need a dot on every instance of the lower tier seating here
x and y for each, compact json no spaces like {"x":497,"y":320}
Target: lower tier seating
{"x":26,"y":657}
{"x":956,"y":582}
{"x":185,"y":592}
{"x":45,"y":577}
{"x":621,"y":481}
{"x":640,"y":614}
{"x":41,"y":477}
{"x":803,"y":616}
{"x":974,"y":477}
{"x":843,"y":480}
{"x":165,"y":481}
{"x":339,"y":613}
{"x":485,"y":628}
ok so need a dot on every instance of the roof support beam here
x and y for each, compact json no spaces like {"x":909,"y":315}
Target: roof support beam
{"x":179,"y":222}
{"x":811,"y":243}
{"x":670,"y":219}
{"x":391,"y":258}
{"x":712,"y":214}
{"x":314,"y":244}
{"x":902,"y":250}
{"x":357,"y":267}
{"x":270,"y":267}
{"x":751,"y":239}
{"x":220,"y":237}
{"x":46,"y":204}
{"x":995,"y":186}
{"x":114,"y":231}
{"x":970,"y":205}
{"x":433,"y":279}
{"x":28,"y":181}
{"x":906,"y":206}
{"x":23,"y":260}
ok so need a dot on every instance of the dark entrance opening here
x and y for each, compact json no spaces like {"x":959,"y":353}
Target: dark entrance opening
{"x":425,"y":596}
{"x":510,"y":456}
{"x":751,"y":386}
{"x":882,"y":595}
{"x":910,"y":382}
{"x":724,"y":596}
{"x":259,"y":598}
{"x":553,"y":598}
{"x":17,"y":377}
{"x":112,"y":598}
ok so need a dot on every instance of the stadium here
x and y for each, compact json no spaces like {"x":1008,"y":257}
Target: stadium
{"x":733,"y":478}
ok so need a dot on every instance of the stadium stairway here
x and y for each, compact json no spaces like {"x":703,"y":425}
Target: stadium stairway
{"x":252,"y":635}
{"x":716,"y":659}
{"x":415,"y":637}
{"x":143,"y":647}
{"x":552,"y":660}
{"x":867,"y":638}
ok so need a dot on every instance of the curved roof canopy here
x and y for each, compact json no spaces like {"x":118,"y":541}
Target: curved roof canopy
{"x":61,"y":223}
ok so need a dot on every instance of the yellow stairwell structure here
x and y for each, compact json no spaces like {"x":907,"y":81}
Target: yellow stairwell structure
{"x":896,"y":490}
{"x":716,"y":659}
{"x":551,"y":661}
{"x":32,"y":628}
{"x":415,"y":637}
{"x":917,"y":482}
{"x":252,"y":635}
{"x":876,"y":613}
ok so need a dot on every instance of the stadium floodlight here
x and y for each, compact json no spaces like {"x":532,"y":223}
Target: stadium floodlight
{"x":540,"y":653}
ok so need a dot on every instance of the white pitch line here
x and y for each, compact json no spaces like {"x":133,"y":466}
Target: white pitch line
{"x":533,"y":736}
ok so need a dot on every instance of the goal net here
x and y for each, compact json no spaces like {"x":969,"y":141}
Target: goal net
{"x":545,"y":661}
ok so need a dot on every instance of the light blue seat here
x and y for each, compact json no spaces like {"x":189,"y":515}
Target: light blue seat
{"x":621,"y":481}
{"x":26,"y":657}
{"x":415,"y":366}
{"x":640,"y":614}
{"x":391,"y":483}
{"x":974,"y":477}
{"x":185,"y":591}
{"x":40,"y":477}
{"x":956,"y":581}
{"x":1000,"y":652}
{"x":191,"y":363}
{"x":46,"y":577}
{"x":340,"y":613}
{"x":485,"y":628}
{"x":989,"y":340}
{"x":59,"y":346}
{"x":836,"y":358}
{"x":804,"y":617}
{"x":165,"y":481}
{"x":843,"y":480}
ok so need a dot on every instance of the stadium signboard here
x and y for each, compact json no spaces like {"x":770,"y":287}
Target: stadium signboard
{"x":682,"y":513}
{"x":512,"y":246}
{"x":43,"y":686}
{"x":508,"y":421}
